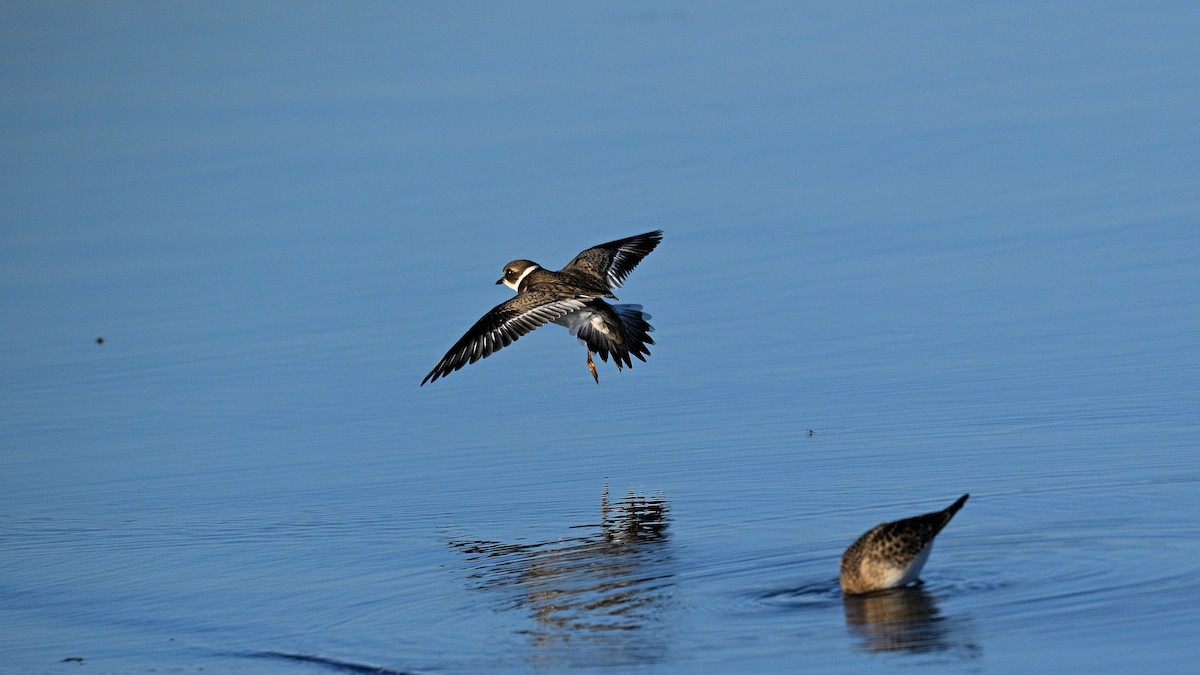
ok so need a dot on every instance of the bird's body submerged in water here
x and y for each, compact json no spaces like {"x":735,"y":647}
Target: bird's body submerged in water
{"x":574,"y":297}
{"x":892,"y":554}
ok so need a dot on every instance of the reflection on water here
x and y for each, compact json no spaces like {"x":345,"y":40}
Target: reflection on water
{"x":906,"y":620}
{"x":608,"y":589}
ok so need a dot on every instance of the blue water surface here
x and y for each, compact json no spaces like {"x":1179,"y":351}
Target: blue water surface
{"x":911,"y":251}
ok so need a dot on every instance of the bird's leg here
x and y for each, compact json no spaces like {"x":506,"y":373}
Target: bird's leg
{"x":592,"y":367}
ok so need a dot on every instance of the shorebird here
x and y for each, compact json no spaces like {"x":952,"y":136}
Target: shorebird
{"x":892,"y":554}
{"x":572,"y":297}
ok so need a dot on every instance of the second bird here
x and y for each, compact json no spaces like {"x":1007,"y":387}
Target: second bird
{"x":572,"y":297}
{"x":892,"y":554}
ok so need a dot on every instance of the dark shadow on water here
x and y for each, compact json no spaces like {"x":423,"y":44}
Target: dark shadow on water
{"x":331,"y":664}
{"x":599,"y":598}
{"x":907,"y":620}
{"x":808,"y":595}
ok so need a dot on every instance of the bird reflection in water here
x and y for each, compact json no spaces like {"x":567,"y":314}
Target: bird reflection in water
{"x":604,"y":593}
{"x":906,"y":620}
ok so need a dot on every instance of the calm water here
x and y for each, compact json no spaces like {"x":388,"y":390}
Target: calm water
{"x":910,"y":252}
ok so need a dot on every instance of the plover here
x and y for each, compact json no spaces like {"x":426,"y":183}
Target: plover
{"x":572,"y":297}
{"x":892,"y":554}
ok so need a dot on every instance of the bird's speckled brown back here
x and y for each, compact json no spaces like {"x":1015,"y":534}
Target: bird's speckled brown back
{"x":887,"y":551}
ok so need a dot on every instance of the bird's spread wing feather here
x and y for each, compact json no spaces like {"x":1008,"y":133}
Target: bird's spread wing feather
{"x":610,"y":263}
{"x":502,"y":326}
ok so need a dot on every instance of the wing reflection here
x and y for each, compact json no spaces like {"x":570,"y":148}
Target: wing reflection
{"x":608,"y":588}
{"x":906,"y":620}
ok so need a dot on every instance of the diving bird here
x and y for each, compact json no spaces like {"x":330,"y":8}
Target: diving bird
{"x":572,"y":297}
{"x":892,"y":554}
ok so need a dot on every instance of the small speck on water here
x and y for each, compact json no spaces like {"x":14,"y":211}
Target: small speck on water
{"x":100,"y":340}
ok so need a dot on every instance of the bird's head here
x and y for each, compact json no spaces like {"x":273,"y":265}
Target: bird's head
{"x":515,"y":272}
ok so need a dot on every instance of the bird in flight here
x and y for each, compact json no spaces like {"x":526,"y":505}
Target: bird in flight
{"x":892,"y":554}
{"x":572,"y":297}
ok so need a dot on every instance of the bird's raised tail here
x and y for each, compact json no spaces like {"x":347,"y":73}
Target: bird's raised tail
{"x":622,"y":330}
{"x":637,"y":331}
{"x":948,"y":512}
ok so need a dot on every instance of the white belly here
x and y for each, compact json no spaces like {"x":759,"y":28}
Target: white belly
{"x":580,"y":318}
{"x":914,"y":570}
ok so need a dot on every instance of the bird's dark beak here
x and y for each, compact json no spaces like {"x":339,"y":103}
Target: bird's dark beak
{"x":499,"y":281}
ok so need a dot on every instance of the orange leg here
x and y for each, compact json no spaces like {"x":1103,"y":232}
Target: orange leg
{"x":592,"y":367}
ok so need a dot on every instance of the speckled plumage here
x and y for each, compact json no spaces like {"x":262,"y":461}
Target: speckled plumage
{"x":892,"y":554}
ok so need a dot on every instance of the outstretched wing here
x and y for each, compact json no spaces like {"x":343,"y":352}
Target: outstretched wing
{"x":502,"y":326}
{"x":610,"y":263}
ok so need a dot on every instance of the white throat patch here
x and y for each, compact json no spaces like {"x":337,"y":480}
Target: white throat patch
{"x":517,"y":284}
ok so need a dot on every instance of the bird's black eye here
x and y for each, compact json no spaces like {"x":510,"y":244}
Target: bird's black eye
{"x":510,"y":273}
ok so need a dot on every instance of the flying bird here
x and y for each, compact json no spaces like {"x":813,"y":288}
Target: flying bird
{"x":892,"y":554}
{"x":573,"y":297}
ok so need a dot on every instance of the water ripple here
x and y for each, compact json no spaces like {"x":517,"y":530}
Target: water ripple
{"x":600,"y":596}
